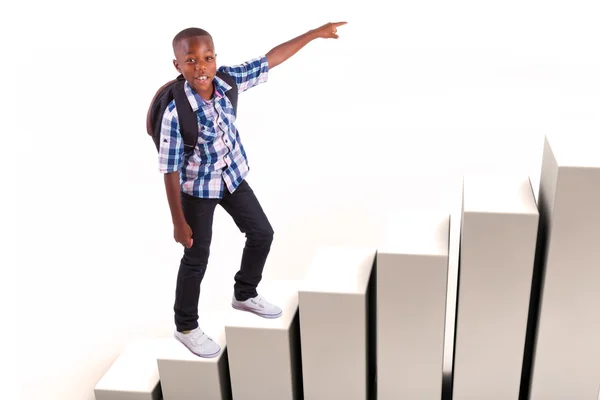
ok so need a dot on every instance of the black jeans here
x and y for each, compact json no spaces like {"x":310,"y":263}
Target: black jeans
{"x":248,"y":215}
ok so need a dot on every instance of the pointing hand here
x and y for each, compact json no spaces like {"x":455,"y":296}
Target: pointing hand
{"x":329,"y":30}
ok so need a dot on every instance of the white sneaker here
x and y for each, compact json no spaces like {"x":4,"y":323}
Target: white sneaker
{"x":257,"y":305}
{"x":198,"y":343}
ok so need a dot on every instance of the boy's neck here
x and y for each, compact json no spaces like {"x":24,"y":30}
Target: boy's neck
{"x":208,"y":96}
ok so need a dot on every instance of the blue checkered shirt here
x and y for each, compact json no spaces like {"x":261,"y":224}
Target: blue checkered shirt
{"x":219,"y":160}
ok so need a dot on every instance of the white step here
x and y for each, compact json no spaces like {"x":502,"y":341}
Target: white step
{"x":334,"y":301}
{"x":411,"y":276}
{"x":264,"y":354}
{"x":133,"y":375}
{"x":567,"y":352}
{"x":186,"y":376}
{"x":497,"y":251}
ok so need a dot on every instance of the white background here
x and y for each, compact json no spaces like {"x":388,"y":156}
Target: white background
{"x":388,"y":117}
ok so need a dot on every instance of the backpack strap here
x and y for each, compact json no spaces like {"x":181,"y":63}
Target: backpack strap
{"x":188,"y":121}
{"x":232,"y":94}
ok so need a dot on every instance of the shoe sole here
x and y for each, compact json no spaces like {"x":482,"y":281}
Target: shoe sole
{"x":212,"y":355}
{"x":269,"y":316}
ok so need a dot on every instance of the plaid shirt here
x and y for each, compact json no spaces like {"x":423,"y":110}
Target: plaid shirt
{"x":219,"y":159}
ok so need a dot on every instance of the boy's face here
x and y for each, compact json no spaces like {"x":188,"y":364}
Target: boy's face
{"x":195,"y":59}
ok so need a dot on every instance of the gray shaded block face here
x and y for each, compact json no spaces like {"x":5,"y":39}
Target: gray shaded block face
{"x":103,"y":394}
{"x":334,"y":324}
{"x":412,"y":270}
{"x":566,"y":357}
{"x":134,"y":374}
{"x":498,"y":241}
{"x":264,"y":353}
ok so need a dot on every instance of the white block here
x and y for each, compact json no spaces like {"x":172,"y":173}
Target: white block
{"x":566,"y":362}
{"x":264,"y":354}
{"x":412,"y":273}
{"x":498,"y":241}
{"x":133,"y":375}
{"x":334,"y":323}
{"x":186,"y":376}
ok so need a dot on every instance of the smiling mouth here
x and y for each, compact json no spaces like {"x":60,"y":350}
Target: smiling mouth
{"x":202,"y":78}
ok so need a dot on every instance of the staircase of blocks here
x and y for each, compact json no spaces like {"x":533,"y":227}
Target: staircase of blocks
{"x":375,"y":322}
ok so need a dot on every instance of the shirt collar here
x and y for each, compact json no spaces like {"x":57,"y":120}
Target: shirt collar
{"x":196,"y":101}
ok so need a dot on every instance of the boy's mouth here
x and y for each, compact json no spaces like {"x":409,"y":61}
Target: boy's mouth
{"x":202,"y":78}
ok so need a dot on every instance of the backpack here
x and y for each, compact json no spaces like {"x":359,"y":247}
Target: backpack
{"x":188,"y":122}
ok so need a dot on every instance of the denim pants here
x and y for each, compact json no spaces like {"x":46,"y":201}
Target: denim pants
{"x":248,"y":215}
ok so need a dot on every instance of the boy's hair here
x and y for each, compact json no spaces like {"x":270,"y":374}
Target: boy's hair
{"x":188,"y":33}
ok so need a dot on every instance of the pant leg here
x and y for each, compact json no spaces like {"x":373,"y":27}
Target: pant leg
{"x":199,"y":216}
{"x":248,"y":215}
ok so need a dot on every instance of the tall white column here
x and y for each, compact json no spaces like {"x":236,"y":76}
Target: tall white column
{"x":498,"y":242}
{"x":566,"y":361}
{"x":412,"y":273}
{"x":334,"y":303}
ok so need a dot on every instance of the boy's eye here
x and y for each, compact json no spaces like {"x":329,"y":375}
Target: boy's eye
{"x":190,"y":60}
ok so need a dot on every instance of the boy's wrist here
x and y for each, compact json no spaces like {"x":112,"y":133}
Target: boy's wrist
{"x":313,"y":34}
{"x":179,"y":220}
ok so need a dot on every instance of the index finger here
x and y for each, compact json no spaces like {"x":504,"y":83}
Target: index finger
{"x":336,"y":24}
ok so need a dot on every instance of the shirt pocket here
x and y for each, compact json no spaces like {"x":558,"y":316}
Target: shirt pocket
{"x":207,"y":132}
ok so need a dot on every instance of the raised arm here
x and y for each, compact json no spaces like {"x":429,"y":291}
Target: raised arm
{"x":280,"y":53}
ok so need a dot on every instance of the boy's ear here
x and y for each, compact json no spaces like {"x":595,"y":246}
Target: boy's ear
{"x":176,"y":66}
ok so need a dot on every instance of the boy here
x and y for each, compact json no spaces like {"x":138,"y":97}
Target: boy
{"x":214,"y":174}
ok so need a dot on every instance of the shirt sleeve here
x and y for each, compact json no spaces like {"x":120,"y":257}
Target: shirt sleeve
{"x":249,"y":73}
{"x":170,"y":151}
